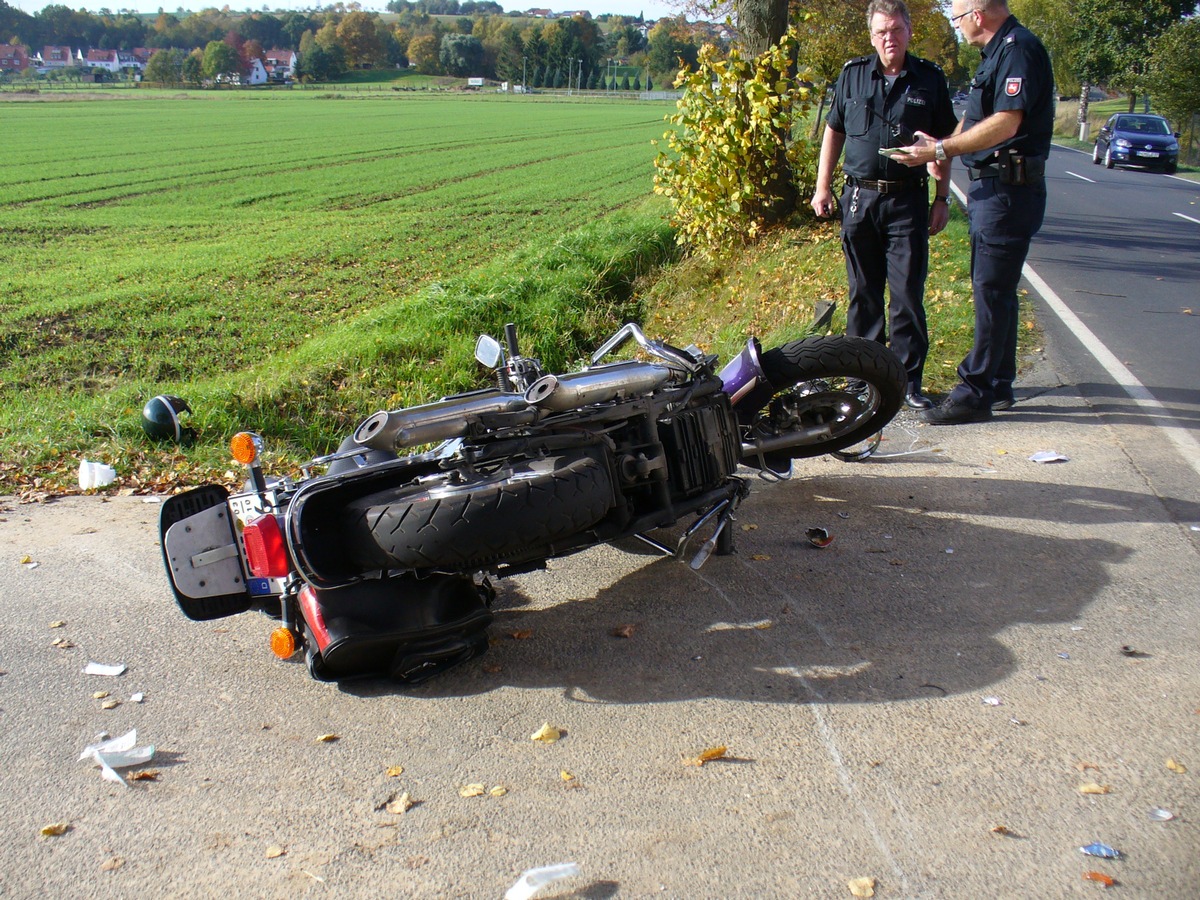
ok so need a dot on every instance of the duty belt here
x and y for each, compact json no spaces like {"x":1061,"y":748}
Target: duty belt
{"x":983,"y":172}
{"x":889,"y":187}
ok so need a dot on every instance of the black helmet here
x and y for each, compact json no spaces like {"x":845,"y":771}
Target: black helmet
{"x":160,"y":418}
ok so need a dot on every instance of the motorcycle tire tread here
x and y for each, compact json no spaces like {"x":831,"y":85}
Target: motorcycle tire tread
{"x":841,"y":356}
{"x":501,"y":519}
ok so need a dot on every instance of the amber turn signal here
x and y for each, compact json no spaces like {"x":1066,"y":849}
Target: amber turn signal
{"x":245,"y":447}
{"x":283,"y":643}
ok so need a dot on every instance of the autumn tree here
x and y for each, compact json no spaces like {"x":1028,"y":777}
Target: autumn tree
{"x":220,"y":59}
{"x":359,"y":39}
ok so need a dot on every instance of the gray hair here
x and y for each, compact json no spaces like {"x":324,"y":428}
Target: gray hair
{"x":891,"y":8}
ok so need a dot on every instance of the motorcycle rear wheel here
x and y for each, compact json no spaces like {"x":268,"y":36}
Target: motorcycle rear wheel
{"x":852,"y":385}
{"x":516,"y":513}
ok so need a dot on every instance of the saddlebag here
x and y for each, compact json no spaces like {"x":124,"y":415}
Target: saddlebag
{"x":404,"y":628}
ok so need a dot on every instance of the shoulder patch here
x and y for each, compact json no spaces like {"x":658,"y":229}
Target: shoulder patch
{"x":1012,"y":86}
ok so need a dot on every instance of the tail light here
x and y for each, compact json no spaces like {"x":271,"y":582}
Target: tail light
{"x":265,"y":549}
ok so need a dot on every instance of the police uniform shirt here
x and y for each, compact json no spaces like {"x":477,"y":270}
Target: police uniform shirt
{"x":1015,"y":74}
{"x":872,"y":117}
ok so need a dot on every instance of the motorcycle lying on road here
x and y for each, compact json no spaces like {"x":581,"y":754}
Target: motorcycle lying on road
{"x":383,"y":564}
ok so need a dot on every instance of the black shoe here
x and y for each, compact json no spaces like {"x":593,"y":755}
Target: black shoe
{"x":917,"y":400}
{"x":1000,"y":405}
{"x":955,"y":412}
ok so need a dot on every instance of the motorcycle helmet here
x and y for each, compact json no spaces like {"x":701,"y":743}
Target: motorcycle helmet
{"x":160,"y":418}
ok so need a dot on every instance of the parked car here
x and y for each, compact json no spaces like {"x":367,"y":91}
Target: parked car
{"x":1137,"y":139}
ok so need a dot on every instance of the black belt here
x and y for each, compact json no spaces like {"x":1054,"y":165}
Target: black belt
{"x":983,"y":172}
{"x":889,"y":187}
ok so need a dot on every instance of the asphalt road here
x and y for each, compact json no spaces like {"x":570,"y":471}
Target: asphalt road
{"x":854,"y":688}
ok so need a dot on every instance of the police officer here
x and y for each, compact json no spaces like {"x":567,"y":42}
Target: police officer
{"x":879,"y":102}
{"x":1004,"y":140}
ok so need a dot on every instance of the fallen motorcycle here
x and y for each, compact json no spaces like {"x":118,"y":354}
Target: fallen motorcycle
{"x":384,"y":563}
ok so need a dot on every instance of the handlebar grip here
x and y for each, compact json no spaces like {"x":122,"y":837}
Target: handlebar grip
{"x":510,"y":338}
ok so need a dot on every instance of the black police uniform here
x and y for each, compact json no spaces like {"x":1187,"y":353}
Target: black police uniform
{"x":885,"y":205}
{"x":1007,"y":201}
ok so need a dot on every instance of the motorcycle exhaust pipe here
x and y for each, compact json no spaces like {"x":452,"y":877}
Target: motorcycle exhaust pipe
{"x":560,"y":393}
{"x":440,"y":421}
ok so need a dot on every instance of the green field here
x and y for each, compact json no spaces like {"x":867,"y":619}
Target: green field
{"x":255,"y":252}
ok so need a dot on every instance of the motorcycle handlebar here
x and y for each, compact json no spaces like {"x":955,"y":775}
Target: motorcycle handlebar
{"x":672,"y":355}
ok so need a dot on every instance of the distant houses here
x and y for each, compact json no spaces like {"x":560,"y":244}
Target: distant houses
{"x":13,"y":58}
{"x":276,"y":66}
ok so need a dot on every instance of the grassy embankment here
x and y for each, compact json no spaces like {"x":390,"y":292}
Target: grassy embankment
{"x":291,"y":264}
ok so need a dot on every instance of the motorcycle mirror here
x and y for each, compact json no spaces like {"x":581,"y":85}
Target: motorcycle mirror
{"x":487,"y":351}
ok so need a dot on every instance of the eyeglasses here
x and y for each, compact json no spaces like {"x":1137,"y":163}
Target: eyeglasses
{"x":954,"y":19}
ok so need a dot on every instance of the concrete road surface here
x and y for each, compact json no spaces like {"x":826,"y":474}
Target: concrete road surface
{"x":920,"y":703}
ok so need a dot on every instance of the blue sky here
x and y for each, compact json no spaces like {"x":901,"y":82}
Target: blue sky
{"x":651,"y":10}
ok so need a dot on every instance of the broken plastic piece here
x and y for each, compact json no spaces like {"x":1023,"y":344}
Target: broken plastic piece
{"x":95,"y":668}
{"x":1106,"y":880}
{"x":118,"y":753}
{"x":1101,"y":850}
{"x":533,"y":880}
{"x":819,"y":537}
{"x":137,"y":698}
{"x":1063,"y":654}
{"x":992,"y":701}
{"x":95,"y":474}
{"x":1158,"y":814}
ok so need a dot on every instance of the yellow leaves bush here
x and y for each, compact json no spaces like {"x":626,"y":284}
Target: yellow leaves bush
{"x":732,"y":134}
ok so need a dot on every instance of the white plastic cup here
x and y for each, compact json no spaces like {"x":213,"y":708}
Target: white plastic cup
{"x":95,"y":475}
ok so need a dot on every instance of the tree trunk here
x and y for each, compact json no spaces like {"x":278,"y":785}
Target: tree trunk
{"x":1084,"y":129}
{"x":762,"y":23}
{"x":815,"y":129}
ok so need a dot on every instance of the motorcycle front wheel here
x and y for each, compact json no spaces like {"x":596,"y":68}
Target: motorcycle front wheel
{"x":847,"y":388}
{"x":457,"y":522}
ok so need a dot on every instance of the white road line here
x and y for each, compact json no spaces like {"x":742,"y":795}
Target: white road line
{"x":1189,"y":218}
{"x":1183,"y":440}
{"x":1080,"y":177}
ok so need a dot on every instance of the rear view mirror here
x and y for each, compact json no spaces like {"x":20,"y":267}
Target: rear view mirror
{"x":487,"y":351}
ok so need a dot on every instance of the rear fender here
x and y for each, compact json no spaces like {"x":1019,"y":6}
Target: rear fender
{"x":202,"y":555}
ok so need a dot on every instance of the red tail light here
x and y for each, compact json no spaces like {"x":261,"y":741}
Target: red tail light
{"x":265,"y":548}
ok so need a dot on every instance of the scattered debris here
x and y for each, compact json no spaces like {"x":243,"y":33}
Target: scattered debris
{"x":565,"y":775}
{"x":532,"y":880}
{"x":1019,"y":722}
{"x":498,"y":791}
{"x":117,"y":753}
{"x":145,"y":775}
{"x":58,"y":624}
{"x":547,"y":734}
{"x":99,"y":695}
{"x":623,"y":631}
{"x":112,"y":864}
{"x":1133,"y":653}
{"x":760,"y":557}
{"x":62,"y":643}
{"x":1158,"y":814}
{"x":395,"y":771}
{"x":109,"y":671}
{"x":705,"y":756}
{"x":1048,"y":456}
{"x":137,"y":698}
{"x":398,"y":806}
{"x":28,"y":562}
{"x":1177,"y":767}
{"x":756,"y":625}
{"x":992,"y":701}
{"x":1106,"y":880}
{"x":56,"y":829}
{"x":1004,"y":831}
{"x":275,"y":851}
{"x":749,"y":527}
{"x":862,"y":887}
{"x":1092,"y":788}
{"x":1063,"y":654}
{"x":522,"y":634}
{"x":327,"y":738}
{"x":950,"y":550}
{"x":1083,"y":766}
{"x":1101,"y":850}
{"x":819,"y":537}
{"x":110,"y":704}
{"x":472,"y":790}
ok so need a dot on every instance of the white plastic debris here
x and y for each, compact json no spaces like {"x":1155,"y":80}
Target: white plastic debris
{"x":137,"y":698}
{"x":1048,"y":456}
{"x":533,"y":880}
{"x":1158,"y":814}
{"x":95,"y":668}
{"x":117,"y":753}
{"x":992,"y":701}
{"x":95,"y":474}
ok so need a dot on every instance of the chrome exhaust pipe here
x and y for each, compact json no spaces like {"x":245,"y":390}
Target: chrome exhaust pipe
{"x":560,"y":393}
{"x":440,"y":421}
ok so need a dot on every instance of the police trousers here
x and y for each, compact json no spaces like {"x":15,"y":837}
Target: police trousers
{"x":1003,"y":220}
{"x":885,"y":239}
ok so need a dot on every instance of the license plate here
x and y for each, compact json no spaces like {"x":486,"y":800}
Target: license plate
{"x":1147,"y":154}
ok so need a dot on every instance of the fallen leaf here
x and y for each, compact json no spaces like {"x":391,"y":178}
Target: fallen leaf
{"x":1177,"y":767}
{"x":472,"y":790}
{"x":522,"y":634}
{"x":112,"y":864}
{"x":148,"y":775}
{"x":56,"y":829}
{"x":1105,"y":880}
{"x":498,"y":791}
{"x":327,"y":739}
{"x":749,"y":527}
{"x":59,"y":623}
{"x":400,"y":805}
{"x":1092,"y":788}
{"x":565,"y":775}
{"x":62,"y":643}
{"x":99,"y":695}
{"x":705,"y":756}
{"x":547,"y":734}
{"x":275,"y":851}
{"x":862,"y":887}
{"x":623,"y":631}
{"x":493,"y":668}
{"x":759,"y":557}
{"x":395,"y":771}
{"x":1004,"y":830}
{"x":1084,"y":766}
{"x":110,"y":704}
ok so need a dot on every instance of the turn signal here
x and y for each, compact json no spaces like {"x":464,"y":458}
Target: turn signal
{"x":245,"y":447}
{"x":283,"y":642}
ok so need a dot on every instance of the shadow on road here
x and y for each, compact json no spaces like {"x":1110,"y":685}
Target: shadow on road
{"x":910,"y":600}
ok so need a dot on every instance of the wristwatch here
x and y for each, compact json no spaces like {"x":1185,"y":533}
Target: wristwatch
{"x":939,"y":152}
{"x":939,"y":197}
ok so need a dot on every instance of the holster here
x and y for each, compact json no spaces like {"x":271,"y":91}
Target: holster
{"x":1016,"y":168}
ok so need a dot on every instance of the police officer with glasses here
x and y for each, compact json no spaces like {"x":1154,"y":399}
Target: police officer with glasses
{"x":1003,"y":139}
{"x":879,"y":102}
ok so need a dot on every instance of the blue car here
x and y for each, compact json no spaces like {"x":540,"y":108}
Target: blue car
{"x":1137,"y":139}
